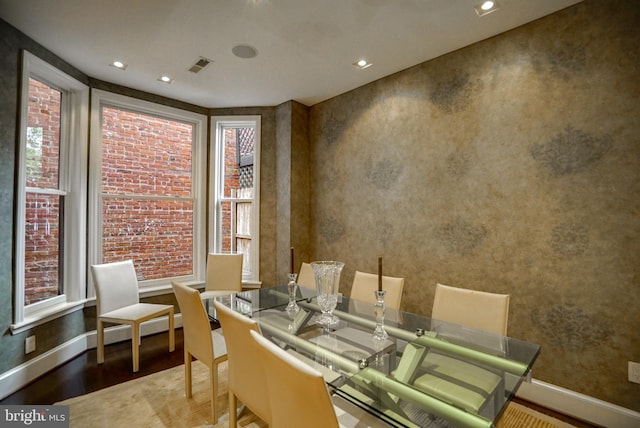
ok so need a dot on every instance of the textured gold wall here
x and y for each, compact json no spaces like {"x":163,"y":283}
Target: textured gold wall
{"x":511,"y":166}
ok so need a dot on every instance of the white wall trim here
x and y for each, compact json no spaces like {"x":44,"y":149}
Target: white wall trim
{"x":578,"y":405}
{"x":20,"y":376}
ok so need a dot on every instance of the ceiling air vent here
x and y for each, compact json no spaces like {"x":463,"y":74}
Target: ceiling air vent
{"x":199,"y":65}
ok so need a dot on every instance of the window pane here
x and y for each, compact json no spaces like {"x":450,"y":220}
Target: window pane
{"x":235,"y":230}
{"x":145,"y":155}
{"x":156,"y":234}
{"x":43,"y":136}
{"x":238,"y":154}
{"x":238,"y":162}
{"x":43,"y":216}
{"x":243,"y":215}
{"x":42,"y":247}
{"x":226,"y":231}
{"x":244,"y":247}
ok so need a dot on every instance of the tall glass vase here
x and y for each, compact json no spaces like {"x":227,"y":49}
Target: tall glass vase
{"x":379,"y":333}
{"x":327,"y":275}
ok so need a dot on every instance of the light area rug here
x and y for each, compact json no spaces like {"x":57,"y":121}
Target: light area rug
{"x":158,"y":400}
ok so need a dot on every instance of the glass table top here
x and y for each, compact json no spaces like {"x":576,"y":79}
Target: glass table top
{"x":424,"y":373}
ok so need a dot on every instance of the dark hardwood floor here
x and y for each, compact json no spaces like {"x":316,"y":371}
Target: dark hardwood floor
{"x":82,"y":375}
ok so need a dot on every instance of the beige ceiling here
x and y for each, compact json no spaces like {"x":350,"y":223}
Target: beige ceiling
{"x":305,"y":48}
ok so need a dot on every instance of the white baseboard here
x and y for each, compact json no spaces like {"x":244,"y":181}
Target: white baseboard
{"x":578,"y":405}
{"x":20,"y":376}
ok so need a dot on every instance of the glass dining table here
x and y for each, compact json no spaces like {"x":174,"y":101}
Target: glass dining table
{"x":423,"y":373}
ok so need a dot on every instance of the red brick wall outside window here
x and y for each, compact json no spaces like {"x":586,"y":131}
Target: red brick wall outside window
{"x":42,"y":211}
{"x":231,"y":183}
{"x":146,"y":183}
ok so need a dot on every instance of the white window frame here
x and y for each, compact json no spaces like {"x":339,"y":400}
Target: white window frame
{"x":216,"y":196}
{"x":99,"y":99}
{"x":72,"y":185}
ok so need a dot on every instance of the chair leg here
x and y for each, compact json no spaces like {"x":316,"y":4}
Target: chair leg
{"x":233,"y":409}
{"x":100,"y":334}
{"x":172,"y":335}
{"x":213,"y":378}
{"x":187,"y":373}
{"x":135,"y":345}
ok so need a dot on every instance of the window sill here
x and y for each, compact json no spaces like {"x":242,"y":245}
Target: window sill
{"x":45,"y":316}
{"x":63,"y":309}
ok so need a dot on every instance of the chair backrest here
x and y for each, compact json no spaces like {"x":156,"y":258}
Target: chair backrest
{"x":365,"y":284}
{"x":116,"y":285}
{"x":224,"y":272}
{"x":479,"y":310}
{"x":306,"y":277}
{"x":307,"y":281}
{"x":246,"y":375}
{"x":195,"y":323}
{"x":297,"y":392}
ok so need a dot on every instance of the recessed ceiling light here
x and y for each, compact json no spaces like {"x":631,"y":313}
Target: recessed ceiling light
{"x":119,"y":65}
{"x":244,"y":51}
{"x":486,"y":7}
{"x":362,"y":64}
{"x":165,"y":79}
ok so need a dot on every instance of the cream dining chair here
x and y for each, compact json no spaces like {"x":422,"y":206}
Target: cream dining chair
{"x":224,"y":275}
{"x":306,"y":277}
{"x":365,"y":284}
{"x":118,"y":302}
{"x":200,"y":342}
{"x":466,"y":385}
{"x":246,"y":381}
{"x":479,"y":310}
{"x":304,"y":399}
{"x":297,"y":393}
{"x":307,"y":281}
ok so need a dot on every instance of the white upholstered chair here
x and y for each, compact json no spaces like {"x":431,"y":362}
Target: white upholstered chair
{"x":466,"y":385}
{"x":224,"y":275}
{"x":200,"y":342}
{"x":247,"y":382}
{"x":365,"y":284}
{"x":297,"y":393}
{"x":118,"y":302}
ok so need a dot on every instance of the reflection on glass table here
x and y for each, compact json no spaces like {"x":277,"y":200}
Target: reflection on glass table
{"x":425,"y":373}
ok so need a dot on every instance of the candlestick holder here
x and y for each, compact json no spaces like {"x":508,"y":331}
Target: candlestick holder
{"x":378,"y":308}
{"x":292,"y":308}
